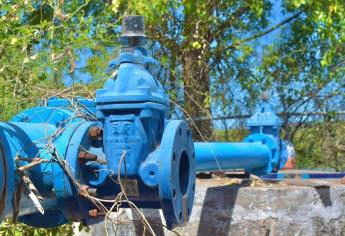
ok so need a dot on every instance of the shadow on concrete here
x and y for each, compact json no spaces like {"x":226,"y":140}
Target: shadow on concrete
{"x":325,"y":195}
{"x":216,"y":213}
{"x":156,"y":223}
{"x":217,"y":209}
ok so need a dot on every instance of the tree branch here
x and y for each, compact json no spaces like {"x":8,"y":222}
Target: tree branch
{"x":289,"y":19}
{"x":229,"y":21}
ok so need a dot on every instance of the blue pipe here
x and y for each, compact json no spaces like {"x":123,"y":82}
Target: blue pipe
{"x":21,"y":139}
{"x":230,"y":156}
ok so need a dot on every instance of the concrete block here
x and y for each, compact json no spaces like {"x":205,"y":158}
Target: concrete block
{"x":234,"y":207}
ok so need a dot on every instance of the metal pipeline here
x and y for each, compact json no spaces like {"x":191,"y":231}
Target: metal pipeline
{"x":14,"y":141}
{"x":230,"y":156}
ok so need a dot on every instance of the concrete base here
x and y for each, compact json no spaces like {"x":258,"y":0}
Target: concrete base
{"x":234,"y":207}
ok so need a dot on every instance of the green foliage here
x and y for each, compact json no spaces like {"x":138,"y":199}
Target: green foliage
{"x":321,"y":151}
{"x":306,"y":68}
{"x":9,"y":229}
{"x":200,"y":40}
{"x":233,"y":135}
{"x":41,"y":42}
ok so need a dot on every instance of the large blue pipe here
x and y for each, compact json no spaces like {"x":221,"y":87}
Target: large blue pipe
{"x":229,"y":156}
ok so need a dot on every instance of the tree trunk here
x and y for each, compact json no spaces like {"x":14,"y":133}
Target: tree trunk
{"x":196,"y":71}
{"x":197,"y":93}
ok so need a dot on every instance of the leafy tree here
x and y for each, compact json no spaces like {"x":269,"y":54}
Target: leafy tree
{"x":306,"y":67}
{"x":200,"y":42}
{"x":41,"y":42}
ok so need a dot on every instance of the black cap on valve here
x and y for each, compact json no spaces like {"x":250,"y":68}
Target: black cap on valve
{"x":133,"y":27}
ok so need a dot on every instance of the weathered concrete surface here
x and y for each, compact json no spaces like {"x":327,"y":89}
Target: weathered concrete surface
{"x":225,"y":207}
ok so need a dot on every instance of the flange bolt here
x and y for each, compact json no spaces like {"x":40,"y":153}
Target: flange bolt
{"x":95,"y":132}
{"x":85,"y":156}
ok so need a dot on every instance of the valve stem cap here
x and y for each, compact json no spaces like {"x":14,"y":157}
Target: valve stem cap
{"x":133,"y":26}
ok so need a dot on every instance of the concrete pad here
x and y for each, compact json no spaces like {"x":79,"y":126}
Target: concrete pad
{"x":236,"y":207}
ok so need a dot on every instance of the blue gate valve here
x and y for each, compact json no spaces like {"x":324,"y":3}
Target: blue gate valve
{"x":68,"y":159}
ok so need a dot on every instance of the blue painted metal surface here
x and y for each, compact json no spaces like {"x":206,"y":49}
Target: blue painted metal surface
{"x":260,"y":153}
{"x":282,"y":176}
{"x":28,"y":140}
{"x":93,"y":150}
{"x":248,"y":156}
